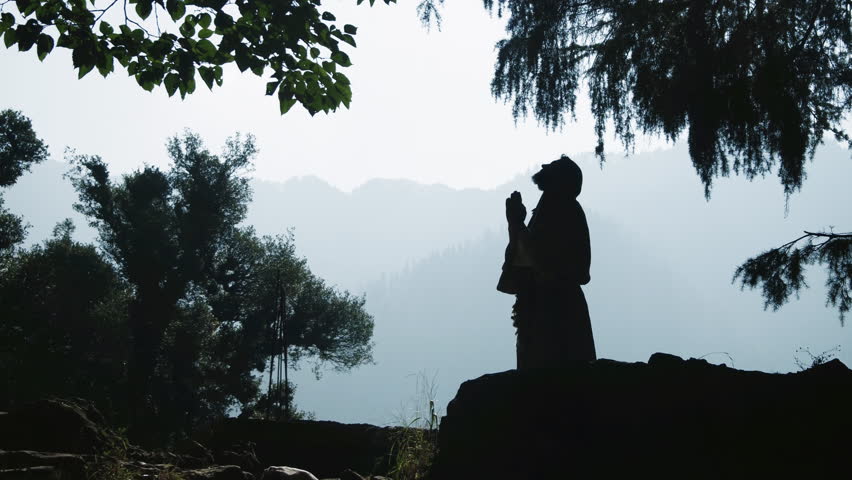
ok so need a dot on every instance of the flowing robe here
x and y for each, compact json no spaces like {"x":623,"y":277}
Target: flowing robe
{"x":546,"y":263}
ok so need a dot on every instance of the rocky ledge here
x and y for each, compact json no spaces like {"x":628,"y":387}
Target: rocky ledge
{"x":68,"y":439}
{"x":668,"y":418}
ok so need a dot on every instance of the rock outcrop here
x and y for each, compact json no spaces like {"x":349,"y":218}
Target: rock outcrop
{"x":68,"y":439}
{"x":324,"y":448}
{"x":669,"y":418}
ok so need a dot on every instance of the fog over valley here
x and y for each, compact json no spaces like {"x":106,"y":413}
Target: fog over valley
{"x":427,"y":257}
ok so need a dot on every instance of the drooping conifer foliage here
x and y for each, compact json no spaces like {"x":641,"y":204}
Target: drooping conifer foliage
{"x":168,"y":42}
{"x":753,"y":83}
{"x":780,"y":272}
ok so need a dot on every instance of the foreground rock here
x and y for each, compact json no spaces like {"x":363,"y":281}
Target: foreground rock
{"x":68,"y":439}
{"x":324,"y":448}
{"x":668,"y":418}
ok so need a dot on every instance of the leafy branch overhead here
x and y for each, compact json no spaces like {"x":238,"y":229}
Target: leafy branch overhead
{"x":780,"y":271}
{"x":170,"y":43}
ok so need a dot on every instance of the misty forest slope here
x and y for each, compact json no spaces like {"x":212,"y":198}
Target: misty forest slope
{"x":428,"y":258}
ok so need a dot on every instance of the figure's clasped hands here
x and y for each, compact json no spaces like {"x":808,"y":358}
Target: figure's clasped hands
{"x":515,"y":211}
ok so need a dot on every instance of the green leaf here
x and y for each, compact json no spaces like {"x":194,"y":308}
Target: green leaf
{"x":315,"y":52}
{"x":84,"y":69}
{"x":44,"y":45}
{"x":205,"y":33}
{"x":341,"y":59}
{"x":106,"y":65}
{"x":10,"y":37}
{"x":207,"y":75}
{"x":187,"y":29}
{"x":27,"y":35}
{"x":348,"y":39}
{"x":341,"y":78}
{"x":242,"y":58}
{"x":6,"y":21}
{"x":105,"y":28}
{"x":176,"y":9}
{"x":271,"y":87}
{"x":286,"y":105}
{"x":143,"y":8}
{"x":350,"y":29}
{"x":205,"y":49}
{"x":171,"y":82}
{"x":204,"y":20}
{"x":328,"y":17}
{"x":26,"y":7}
{"x":223,"y":20}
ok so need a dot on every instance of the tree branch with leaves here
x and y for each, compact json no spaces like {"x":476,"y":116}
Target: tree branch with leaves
{"x":297,"y":43}
{"x":780,"y":272}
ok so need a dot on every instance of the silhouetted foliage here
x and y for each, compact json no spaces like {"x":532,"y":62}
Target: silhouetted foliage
{"x":204,"y":290}
{"x":163,"y":230}
{"x":64,"y":327}
{"x":263,"y":408}
{"x":298,"y":42}
{"x":12,"y":229}
{"x":321,"y":323}
{"x":755,"y":82}
{"x":20,"y":148}
{"x":780,"y":272}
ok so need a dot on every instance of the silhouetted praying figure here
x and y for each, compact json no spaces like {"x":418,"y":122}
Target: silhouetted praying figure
{"x":546,"y":262}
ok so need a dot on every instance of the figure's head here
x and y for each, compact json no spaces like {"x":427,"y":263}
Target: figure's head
{"x":562,"y":175}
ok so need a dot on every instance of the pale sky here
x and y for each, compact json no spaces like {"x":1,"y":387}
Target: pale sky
{"x":422,"y":109}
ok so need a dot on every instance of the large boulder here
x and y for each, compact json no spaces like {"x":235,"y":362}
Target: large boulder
{"x":664,"y":419}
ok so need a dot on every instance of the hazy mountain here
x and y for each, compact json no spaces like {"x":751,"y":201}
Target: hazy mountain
{"x":428,"y":258}
{"x":353,"y":238}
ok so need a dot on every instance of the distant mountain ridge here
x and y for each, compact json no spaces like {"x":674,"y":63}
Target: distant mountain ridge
{"x":428,"y":256}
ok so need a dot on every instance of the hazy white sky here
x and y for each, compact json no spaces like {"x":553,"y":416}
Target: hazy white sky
{"x":422,"y":109}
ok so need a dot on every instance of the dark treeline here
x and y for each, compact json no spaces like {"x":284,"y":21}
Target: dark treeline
{"x":167,"y":322}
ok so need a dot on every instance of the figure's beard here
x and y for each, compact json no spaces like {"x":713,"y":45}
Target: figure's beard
{"x":540,"y":179}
